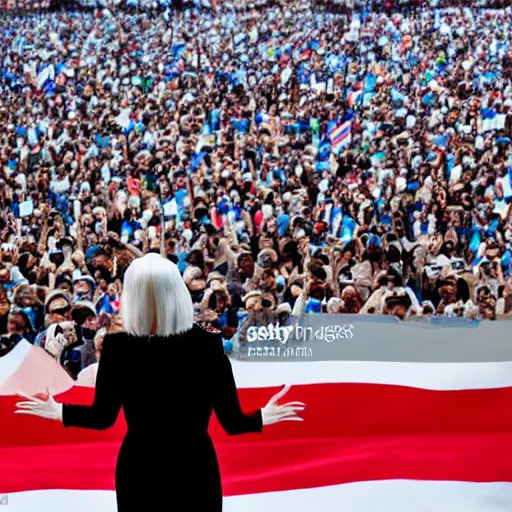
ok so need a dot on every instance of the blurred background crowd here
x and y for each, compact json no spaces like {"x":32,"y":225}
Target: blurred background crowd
{"x":288,"y":158}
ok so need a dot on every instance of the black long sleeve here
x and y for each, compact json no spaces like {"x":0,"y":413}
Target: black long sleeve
{"x":137,"y":374}
{"x":226,"y":404}
{"x":102,"y":414}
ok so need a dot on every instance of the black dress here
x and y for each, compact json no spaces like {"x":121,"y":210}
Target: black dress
{"x":167,"y":388}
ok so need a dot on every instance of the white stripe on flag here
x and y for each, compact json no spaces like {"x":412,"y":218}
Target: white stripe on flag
{"x":13,"y":360}
{"x":433,"y":376}
{"x":381,"y":496}
{"x":342,"y":136}
{"x":341,"y":132}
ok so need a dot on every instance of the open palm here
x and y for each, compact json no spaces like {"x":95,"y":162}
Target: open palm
{"x":45,"y":407}
{"x":275,"y":413}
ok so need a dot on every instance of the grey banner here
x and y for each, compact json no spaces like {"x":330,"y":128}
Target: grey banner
{"x":378,"y":338}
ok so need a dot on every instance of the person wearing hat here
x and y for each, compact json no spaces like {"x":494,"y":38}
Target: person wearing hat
{"x":267,"y":259}
{"x":216,"y":281}
{"x":80,"y":354}
{"x":260,"y":308}
{"x":84,"y":313}
{"x":57,"y":310}
{"x":397,"y":303}
{"x":83,"y":287}
{"x":252,"y":301}
{"x":57,"y":306}
{"x":283,"y":313}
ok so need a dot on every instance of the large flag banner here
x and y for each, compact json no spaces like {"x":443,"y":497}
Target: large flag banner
{"x":378,"y":435}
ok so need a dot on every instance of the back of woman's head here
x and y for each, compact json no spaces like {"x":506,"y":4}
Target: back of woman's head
{"x":155,"y":299}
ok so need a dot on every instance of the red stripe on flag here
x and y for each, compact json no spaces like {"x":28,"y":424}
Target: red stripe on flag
{"x":333,"y":410}
{"x":341,"y":137}
{"x":265,"y":466}
{"x":351,"y":432}
{"x":340,"y":130}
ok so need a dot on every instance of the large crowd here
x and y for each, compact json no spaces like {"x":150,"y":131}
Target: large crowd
{"x":288,"y":159}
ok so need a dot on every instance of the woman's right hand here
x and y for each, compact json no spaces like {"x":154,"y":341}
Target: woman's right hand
{"x":44,"y":407}
{"x":275,"y":413}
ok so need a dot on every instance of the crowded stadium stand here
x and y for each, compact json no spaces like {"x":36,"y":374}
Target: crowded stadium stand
{"x":301,"y":162}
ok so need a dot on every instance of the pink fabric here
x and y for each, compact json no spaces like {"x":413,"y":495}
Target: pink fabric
{"x":37,"y":372}
{"x":87,"y":377}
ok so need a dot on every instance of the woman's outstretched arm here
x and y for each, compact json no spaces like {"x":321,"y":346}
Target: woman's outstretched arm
{"x":102,"y":414}
{"x":225,"y":400}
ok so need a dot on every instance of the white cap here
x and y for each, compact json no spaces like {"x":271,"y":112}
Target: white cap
{"x":267,"y":211}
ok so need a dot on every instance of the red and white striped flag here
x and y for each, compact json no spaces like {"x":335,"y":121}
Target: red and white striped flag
{"x":377,"y":436}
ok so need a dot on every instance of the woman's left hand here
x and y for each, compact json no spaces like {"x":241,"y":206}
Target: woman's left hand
{"x":44,"y":408}
{"x":275,"y":413}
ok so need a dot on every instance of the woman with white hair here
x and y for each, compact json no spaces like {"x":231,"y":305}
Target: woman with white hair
{"x":168,"y":375}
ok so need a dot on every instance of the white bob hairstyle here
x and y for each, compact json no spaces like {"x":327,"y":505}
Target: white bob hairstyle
{"x":155,"y":299}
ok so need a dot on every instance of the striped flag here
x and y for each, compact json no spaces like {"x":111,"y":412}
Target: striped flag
{"x":341,"y":137}
{"x":377,"y":436}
